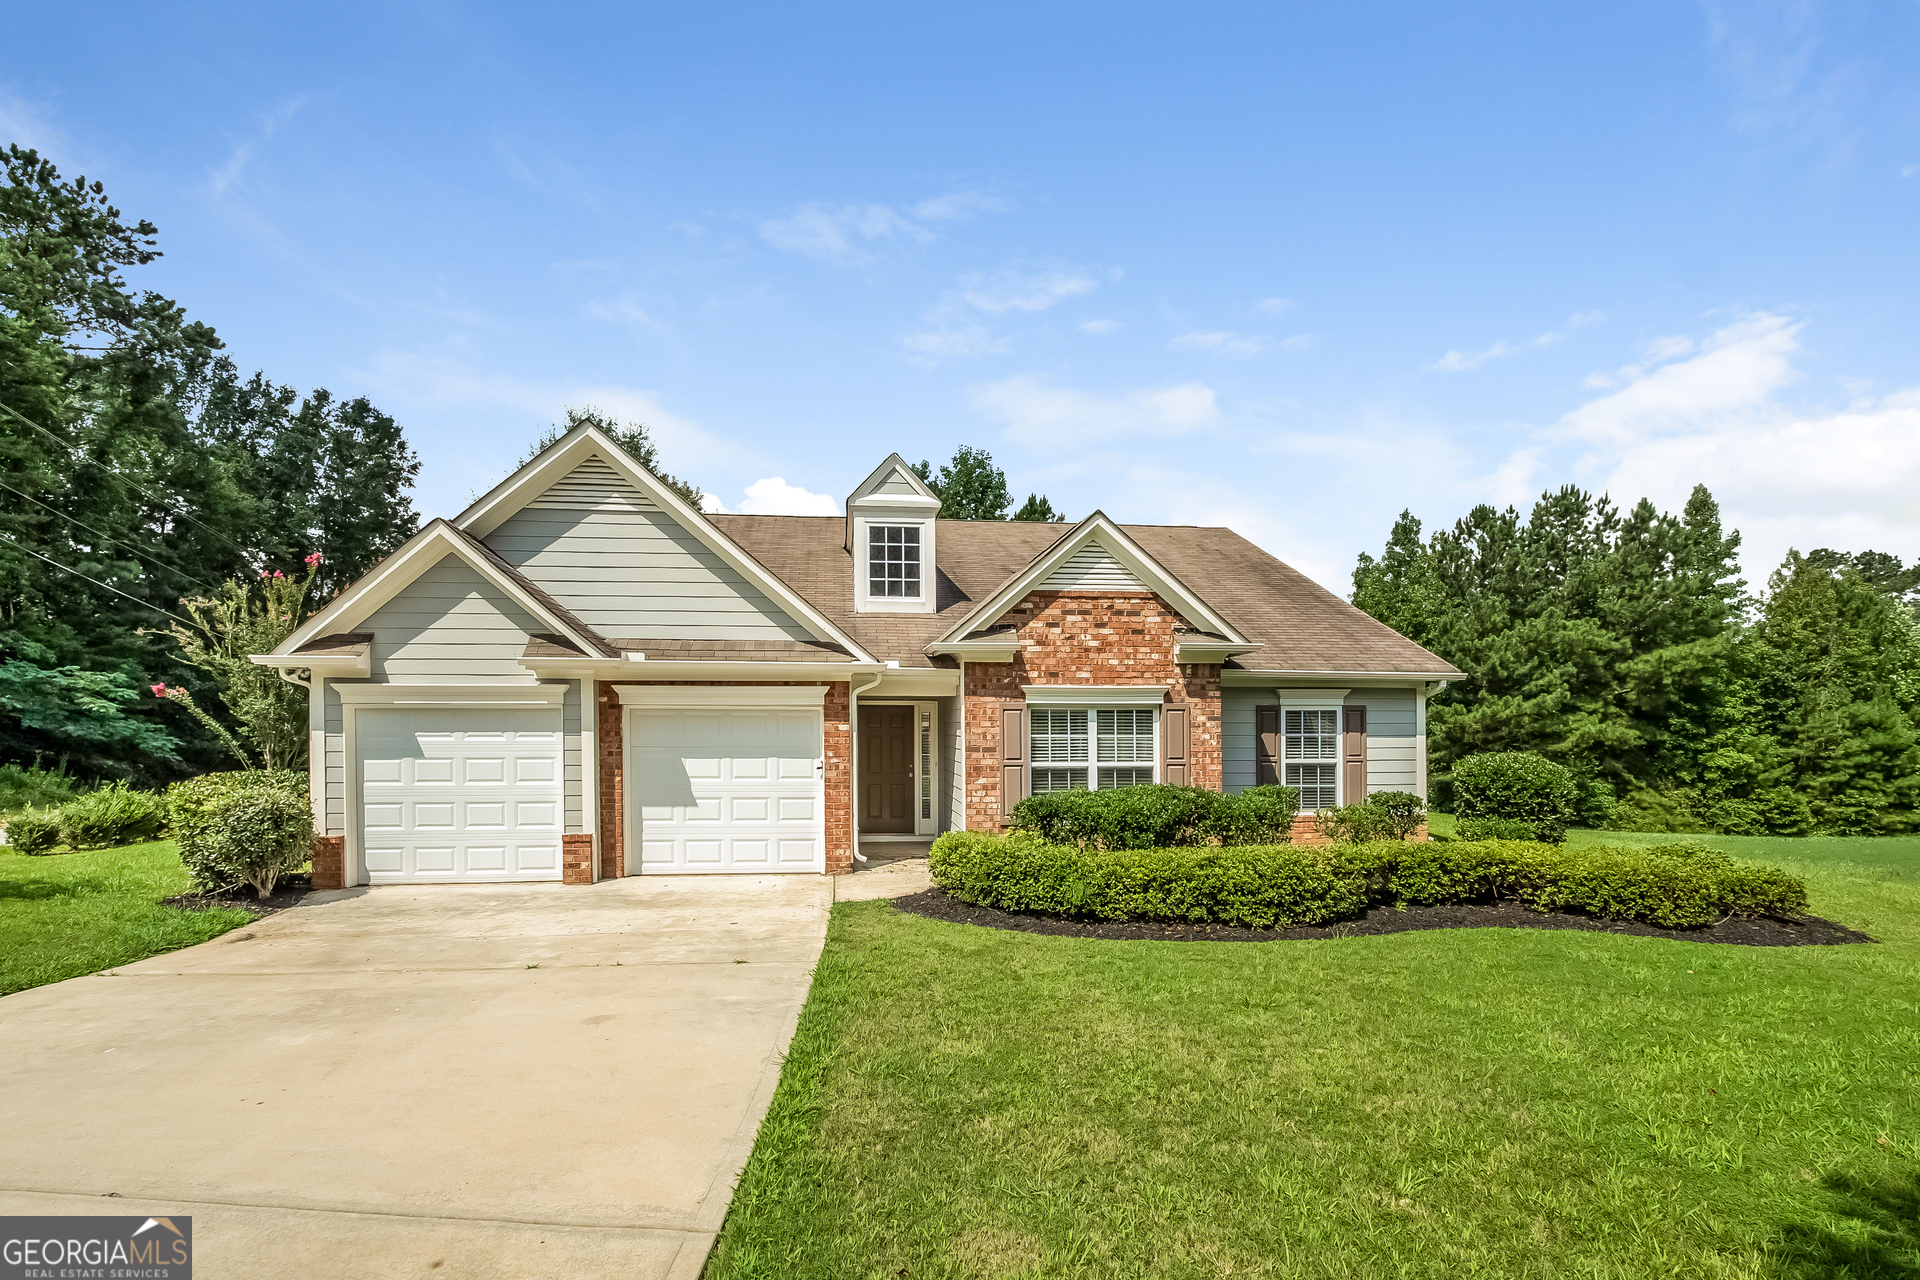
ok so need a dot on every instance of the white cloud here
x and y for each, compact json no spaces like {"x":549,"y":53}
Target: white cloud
{"x":958,"y":206}
{"x":1784,"y":475}
{"x":1042,"y":415}
{"x":949,"y":338}
{"x":1463,"y":361}
{"x":29,"y":124}
{"x":773,"y":496}
{"x":839,"y":234}
{"x":1239,"y":345}
{"x":1910,"y":171}
{"x":1015,"y":290}
{"x":1274,"y":306}
{"x":1099,"y":328}
{"x":227,"y":176}
{"x":1300,"y":342}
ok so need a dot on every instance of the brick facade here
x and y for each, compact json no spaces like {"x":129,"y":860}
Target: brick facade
{"x":837,"y":748}
{"x":329,"y":862}
{"x":1090,"y":638}
{"x":576,"y":859}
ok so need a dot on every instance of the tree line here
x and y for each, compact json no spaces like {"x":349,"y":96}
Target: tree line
{"x":142,"y":469}
{"x":1627,"y":647}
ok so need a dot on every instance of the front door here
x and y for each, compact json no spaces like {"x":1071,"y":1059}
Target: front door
{"x":886,"y":771}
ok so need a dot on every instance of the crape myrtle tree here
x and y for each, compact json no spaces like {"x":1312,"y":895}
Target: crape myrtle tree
{"x":1624,"y":647}
{"x":122,"y":496}
{"x":970,"y":487}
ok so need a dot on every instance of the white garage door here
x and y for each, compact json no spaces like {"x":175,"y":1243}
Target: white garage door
{"x":455,"y":793}
{"x":728,"y":789}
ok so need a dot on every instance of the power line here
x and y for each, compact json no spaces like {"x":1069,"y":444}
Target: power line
{"x":117,"y":591}
{"x":73,"y":451}
{"x":115,"y":541}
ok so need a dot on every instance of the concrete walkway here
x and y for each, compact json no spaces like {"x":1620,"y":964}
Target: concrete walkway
{"x":462,"y":1081}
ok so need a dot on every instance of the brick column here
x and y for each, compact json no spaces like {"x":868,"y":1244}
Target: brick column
{"x":576,"y":859}
{"x":838,"y":751}
{"x":329,"y":862}
{"x":613,"y":756}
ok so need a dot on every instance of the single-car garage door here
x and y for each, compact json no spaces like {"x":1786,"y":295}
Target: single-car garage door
{"x":458,"y":793}
{"x":728,"y":789}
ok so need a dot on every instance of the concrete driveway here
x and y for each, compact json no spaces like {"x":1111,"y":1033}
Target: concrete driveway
{"x":471,"y":1080}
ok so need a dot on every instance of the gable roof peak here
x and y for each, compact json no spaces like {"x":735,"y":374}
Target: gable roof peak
{"x":894,"y":482}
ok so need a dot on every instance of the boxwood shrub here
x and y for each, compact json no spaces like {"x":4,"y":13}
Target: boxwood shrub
{"x":1159,"y":816}
{"x":239,"y":828}
{"x":1517,"y":785}
{"x":1674,"y":886}
{"x":1383,"y":815}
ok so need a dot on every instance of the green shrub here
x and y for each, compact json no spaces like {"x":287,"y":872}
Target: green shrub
{"x":242,"y":828}
{"x":1674,"y":886}
{"x":1257,"y":887}
{"x":1495,"y":829}
{"x":112,"y":816}
{"x":1644,"y":809}
{"x":1517,"y":784}
{"x":22,"y":785}
{"x":1384,"y":815}
{"x":34,"y":831}
{"x":1159,"y":817}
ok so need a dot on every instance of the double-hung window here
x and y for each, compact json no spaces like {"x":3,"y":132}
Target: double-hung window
{"x":893,"y":561}
{"x":1311,"y":753}
{"x":1077,"y":750}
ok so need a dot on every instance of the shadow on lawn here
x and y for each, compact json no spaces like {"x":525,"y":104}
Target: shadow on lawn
{"x":40,"y":890}
{"x":1885,"y":1245}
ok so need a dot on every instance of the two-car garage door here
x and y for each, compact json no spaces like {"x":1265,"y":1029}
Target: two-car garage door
{"x":476,"y":793}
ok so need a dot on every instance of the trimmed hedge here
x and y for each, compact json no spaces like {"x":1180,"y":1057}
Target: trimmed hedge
{"x":1517,"y":785}
{"x":1264,"y":887}
{"x":242,"y":828}
{"x":1159,"y":816}
{"x":1383,"y":815}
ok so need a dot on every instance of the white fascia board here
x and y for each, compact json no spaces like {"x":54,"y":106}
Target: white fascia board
{"x":440,"y":695}
{"x":1095,"y":695}
{"x":747,"y":695}
{"x":1210,"y":650}
{"x":1374,"y":679}
{"x":539,"y":475}
{"x":978,"y":650}
{"x":330,"y":665}
{"x":391,"y":576}
{"x":938,"y":683}
{"x":1122,"y":548}
{"x":621,"y":669}
{"x":894,"y":502}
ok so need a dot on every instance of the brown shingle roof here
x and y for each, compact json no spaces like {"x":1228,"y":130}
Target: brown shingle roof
{"x":1305,"y":627}
{"x":345,"y":644}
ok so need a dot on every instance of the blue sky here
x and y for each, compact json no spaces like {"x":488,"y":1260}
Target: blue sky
{"x":1285,"y":268}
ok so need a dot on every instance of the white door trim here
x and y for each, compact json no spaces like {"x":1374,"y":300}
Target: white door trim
{"x":927,"y":824}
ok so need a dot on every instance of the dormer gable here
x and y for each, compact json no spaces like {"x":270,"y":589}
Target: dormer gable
{"x":891,"y":533}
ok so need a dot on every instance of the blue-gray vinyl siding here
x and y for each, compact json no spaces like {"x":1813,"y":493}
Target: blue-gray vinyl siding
{"x":451,"y":626}
{"x":625,"y":567}
{"x":1392,"y":755}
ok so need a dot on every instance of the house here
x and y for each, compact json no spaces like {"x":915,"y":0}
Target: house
{"x":583,"y":677}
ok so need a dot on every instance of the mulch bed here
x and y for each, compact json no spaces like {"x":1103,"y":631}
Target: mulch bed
{"x":289,"y":892}
{"x":1765,"y":931}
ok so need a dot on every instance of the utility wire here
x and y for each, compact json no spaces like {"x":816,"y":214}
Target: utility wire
{"x":115,"y":541}
{"x":161,"y":503}
{"x":117,"y":591}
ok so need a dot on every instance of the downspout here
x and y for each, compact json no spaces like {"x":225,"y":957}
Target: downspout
{"x":964,"y":762}
{"x":853,"y":765}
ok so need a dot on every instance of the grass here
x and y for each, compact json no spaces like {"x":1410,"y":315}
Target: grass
{"x":73,"y":913}
{"x":965,"y":1102}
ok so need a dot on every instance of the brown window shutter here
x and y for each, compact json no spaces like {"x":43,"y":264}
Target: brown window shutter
{"x":1353,"y":755}
{"x":1266,"y":748}
{"x":1013,"y":758}
{"x":1176,"y":738}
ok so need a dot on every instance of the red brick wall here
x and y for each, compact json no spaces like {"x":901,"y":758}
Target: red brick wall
{"x":839,"y":771}
{"x":329,"y":862}
{"x":576,"y":859}
{"x":1091,"y":638}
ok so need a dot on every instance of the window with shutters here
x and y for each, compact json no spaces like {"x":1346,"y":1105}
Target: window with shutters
{"x":1310,"y":746}
{"x":1076,"y":750}
{"x":893,"y":560}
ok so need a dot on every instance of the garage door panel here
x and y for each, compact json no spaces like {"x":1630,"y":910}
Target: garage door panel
{"x":460,"y":793}
{"x":726,"y":790}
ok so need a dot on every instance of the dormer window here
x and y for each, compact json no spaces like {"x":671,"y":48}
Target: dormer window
{"x":893,"y":561}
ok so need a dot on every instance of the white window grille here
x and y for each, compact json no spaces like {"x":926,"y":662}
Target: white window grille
{"x":1307,"y":738}
{"x":926,"y":764}
{"x":893,"y":561}
{"x":1075,"y":750}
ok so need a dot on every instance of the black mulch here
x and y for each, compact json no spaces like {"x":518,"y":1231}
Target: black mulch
{"x":289,"y":892}
{"x":1763,"y":932}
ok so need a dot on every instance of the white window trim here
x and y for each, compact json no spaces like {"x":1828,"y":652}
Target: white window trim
{"x":1093,"y":765}
{"x":1316,"y":700}
{"x":864,"y":599}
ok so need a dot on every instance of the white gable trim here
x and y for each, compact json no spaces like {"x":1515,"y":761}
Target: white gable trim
{"x":870,"y":487}
{"x":1096,"y":527}
{"x":394,"y":574}
{"x":563,"y":455}
{"x":1091,"y":568}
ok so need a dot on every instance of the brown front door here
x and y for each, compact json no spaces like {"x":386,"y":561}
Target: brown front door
{"x":886,"y":770}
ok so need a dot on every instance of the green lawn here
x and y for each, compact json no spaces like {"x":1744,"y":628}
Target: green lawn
{"x":971,"y":1103}
{"x":74,"y":913}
